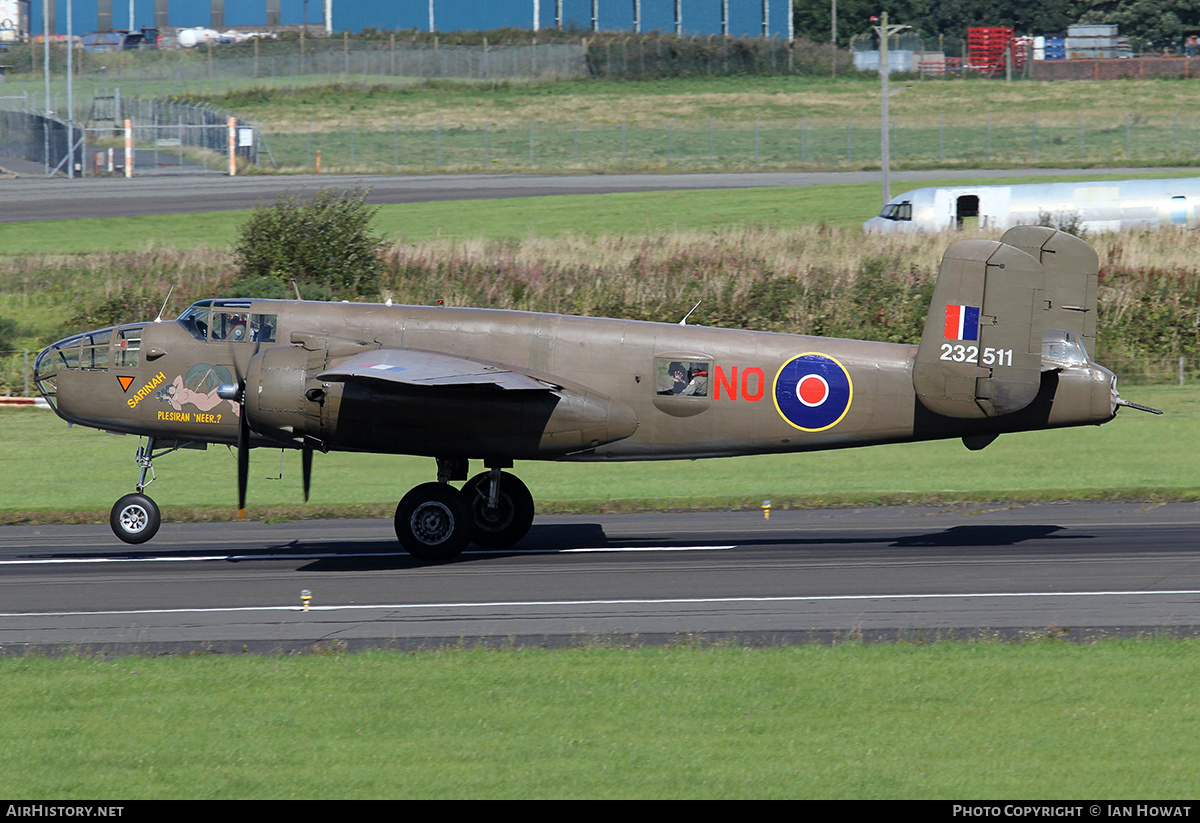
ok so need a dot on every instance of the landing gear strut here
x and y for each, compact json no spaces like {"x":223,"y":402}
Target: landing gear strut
{"x":435,"y":522}
{"x":135,"y":518}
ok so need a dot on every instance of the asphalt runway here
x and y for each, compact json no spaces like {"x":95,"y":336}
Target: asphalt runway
{"x":1074,"y":570}
{"x":32,"y":196}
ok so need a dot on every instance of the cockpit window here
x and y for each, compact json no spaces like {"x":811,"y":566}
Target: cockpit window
{"x":228,"y":320}
{"x":897,"y":211}
{"x":262,"y":327}
{"x":1063,"y":349}
{"x":195,"y":320}
{"x":230,"y":326}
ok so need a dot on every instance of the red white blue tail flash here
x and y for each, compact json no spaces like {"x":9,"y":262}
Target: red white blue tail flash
{"x":962,"y":322}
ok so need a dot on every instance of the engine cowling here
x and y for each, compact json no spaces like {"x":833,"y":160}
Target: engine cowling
{"x":283,"y":401}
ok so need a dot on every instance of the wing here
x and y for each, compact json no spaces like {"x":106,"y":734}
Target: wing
{"x":422,"y":368}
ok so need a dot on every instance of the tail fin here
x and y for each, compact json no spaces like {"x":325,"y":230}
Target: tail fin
{"x":981,"y":350}
{"x":1072,"y":277}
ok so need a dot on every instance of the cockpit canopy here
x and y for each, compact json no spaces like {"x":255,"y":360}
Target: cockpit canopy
{"x":1062,"y":349}
{"x":228,"y":320}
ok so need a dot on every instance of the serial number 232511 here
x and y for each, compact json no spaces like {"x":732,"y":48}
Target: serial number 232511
{"x":959,"y":353}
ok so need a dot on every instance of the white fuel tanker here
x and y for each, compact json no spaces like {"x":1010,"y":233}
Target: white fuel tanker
{"x":190,"y":38}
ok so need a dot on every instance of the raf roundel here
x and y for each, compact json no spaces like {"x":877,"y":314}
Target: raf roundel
{"x":813,"y":391}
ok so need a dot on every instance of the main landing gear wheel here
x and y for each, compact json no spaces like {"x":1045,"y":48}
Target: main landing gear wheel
{"x":433,"y":522}
{"x":135,"y":518}
{"x":509,"y":521}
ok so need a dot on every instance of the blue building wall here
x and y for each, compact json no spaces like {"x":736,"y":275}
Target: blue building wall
{"x":699,"y":16}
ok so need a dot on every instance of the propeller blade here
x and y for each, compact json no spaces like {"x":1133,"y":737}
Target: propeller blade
{"x":306,"y":469}
{"x":243,"y":439}
{"x":243,"y":461}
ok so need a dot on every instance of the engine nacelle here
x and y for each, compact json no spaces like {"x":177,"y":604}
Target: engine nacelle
{"x":283,"y":402}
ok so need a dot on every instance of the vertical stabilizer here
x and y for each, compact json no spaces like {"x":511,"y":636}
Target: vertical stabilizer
{"x":1072,"y":278}
{"x":980,"y":353}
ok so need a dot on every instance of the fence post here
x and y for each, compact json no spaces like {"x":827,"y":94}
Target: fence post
{"x":756,"y":122}
{"x":942,"y":137}
{"x":128,"y":148}
{"x":232,"y":126}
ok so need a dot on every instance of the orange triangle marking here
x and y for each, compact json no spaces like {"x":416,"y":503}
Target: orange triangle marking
{"x":125,"y":382}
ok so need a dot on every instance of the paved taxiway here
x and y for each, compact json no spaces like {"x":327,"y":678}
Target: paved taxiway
{"x":35,"y":197}
{"x":1081,"y":569}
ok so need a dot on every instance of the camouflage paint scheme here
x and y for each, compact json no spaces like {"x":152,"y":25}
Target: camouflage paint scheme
{"x":1004,"y":349}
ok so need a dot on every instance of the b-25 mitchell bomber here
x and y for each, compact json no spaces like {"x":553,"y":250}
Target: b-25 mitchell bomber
{"x":1005,"y":349}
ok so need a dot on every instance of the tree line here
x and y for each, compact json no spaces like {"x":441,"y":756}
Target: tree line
{"x":1149,"y":24}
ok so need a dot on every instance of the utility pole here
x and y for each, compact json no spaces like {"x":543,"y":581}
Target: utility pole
{"x":885,"y":31}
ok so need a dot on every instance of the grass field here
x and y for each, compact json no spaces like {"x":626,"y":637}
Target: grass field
{"x":634,"y":213}
{"x":1039,"y":720}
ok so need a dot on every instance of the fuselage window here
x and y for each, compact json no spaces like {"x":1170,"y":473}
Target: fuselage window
{"x":682,"y":378}
{"x":94,"y":354}
{"x":68,"y":350}
{"x":128,"y":348}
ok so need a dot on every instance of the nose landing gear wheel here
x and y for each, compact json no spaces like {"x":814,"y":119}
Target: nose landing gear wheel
{"x":433,"y":522}
{"x":135,"y":518}
{"x":509,"y":521}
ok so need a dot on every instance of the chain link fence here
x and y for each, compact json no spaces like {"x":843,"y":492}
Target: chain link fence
{"x":657,"y":142}
{"x":165,"y":134}
{"x":175,"y":133}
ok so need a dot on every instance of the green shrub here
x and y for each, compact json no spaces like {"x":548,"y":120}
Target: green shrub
{"x":324,"y":241}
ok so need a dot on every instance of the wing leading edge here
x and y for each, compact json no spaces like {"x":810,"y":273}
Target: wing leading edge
{"x":422,"y":368}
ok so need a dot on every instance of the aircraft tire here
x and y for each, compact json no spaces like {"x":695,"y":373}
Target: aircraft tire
{"x":507,"y":526}
{"x":433,"y":522}
{"x":135,"y":518}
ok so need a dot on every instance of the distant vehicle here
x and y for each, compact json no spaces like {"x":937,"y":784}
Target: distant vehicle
{"x":14,"y":21}
{"x":120,"y":40}
{"x":1100,"y":206}
{"x":190,"y":38}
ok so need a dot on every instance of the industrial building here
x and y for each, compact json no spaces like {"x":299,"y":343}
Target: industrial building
{"x":691,"y":17}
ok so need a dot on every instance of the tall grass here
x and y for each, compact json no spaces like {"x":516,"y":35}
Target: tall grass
{"x":815,"y":279}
